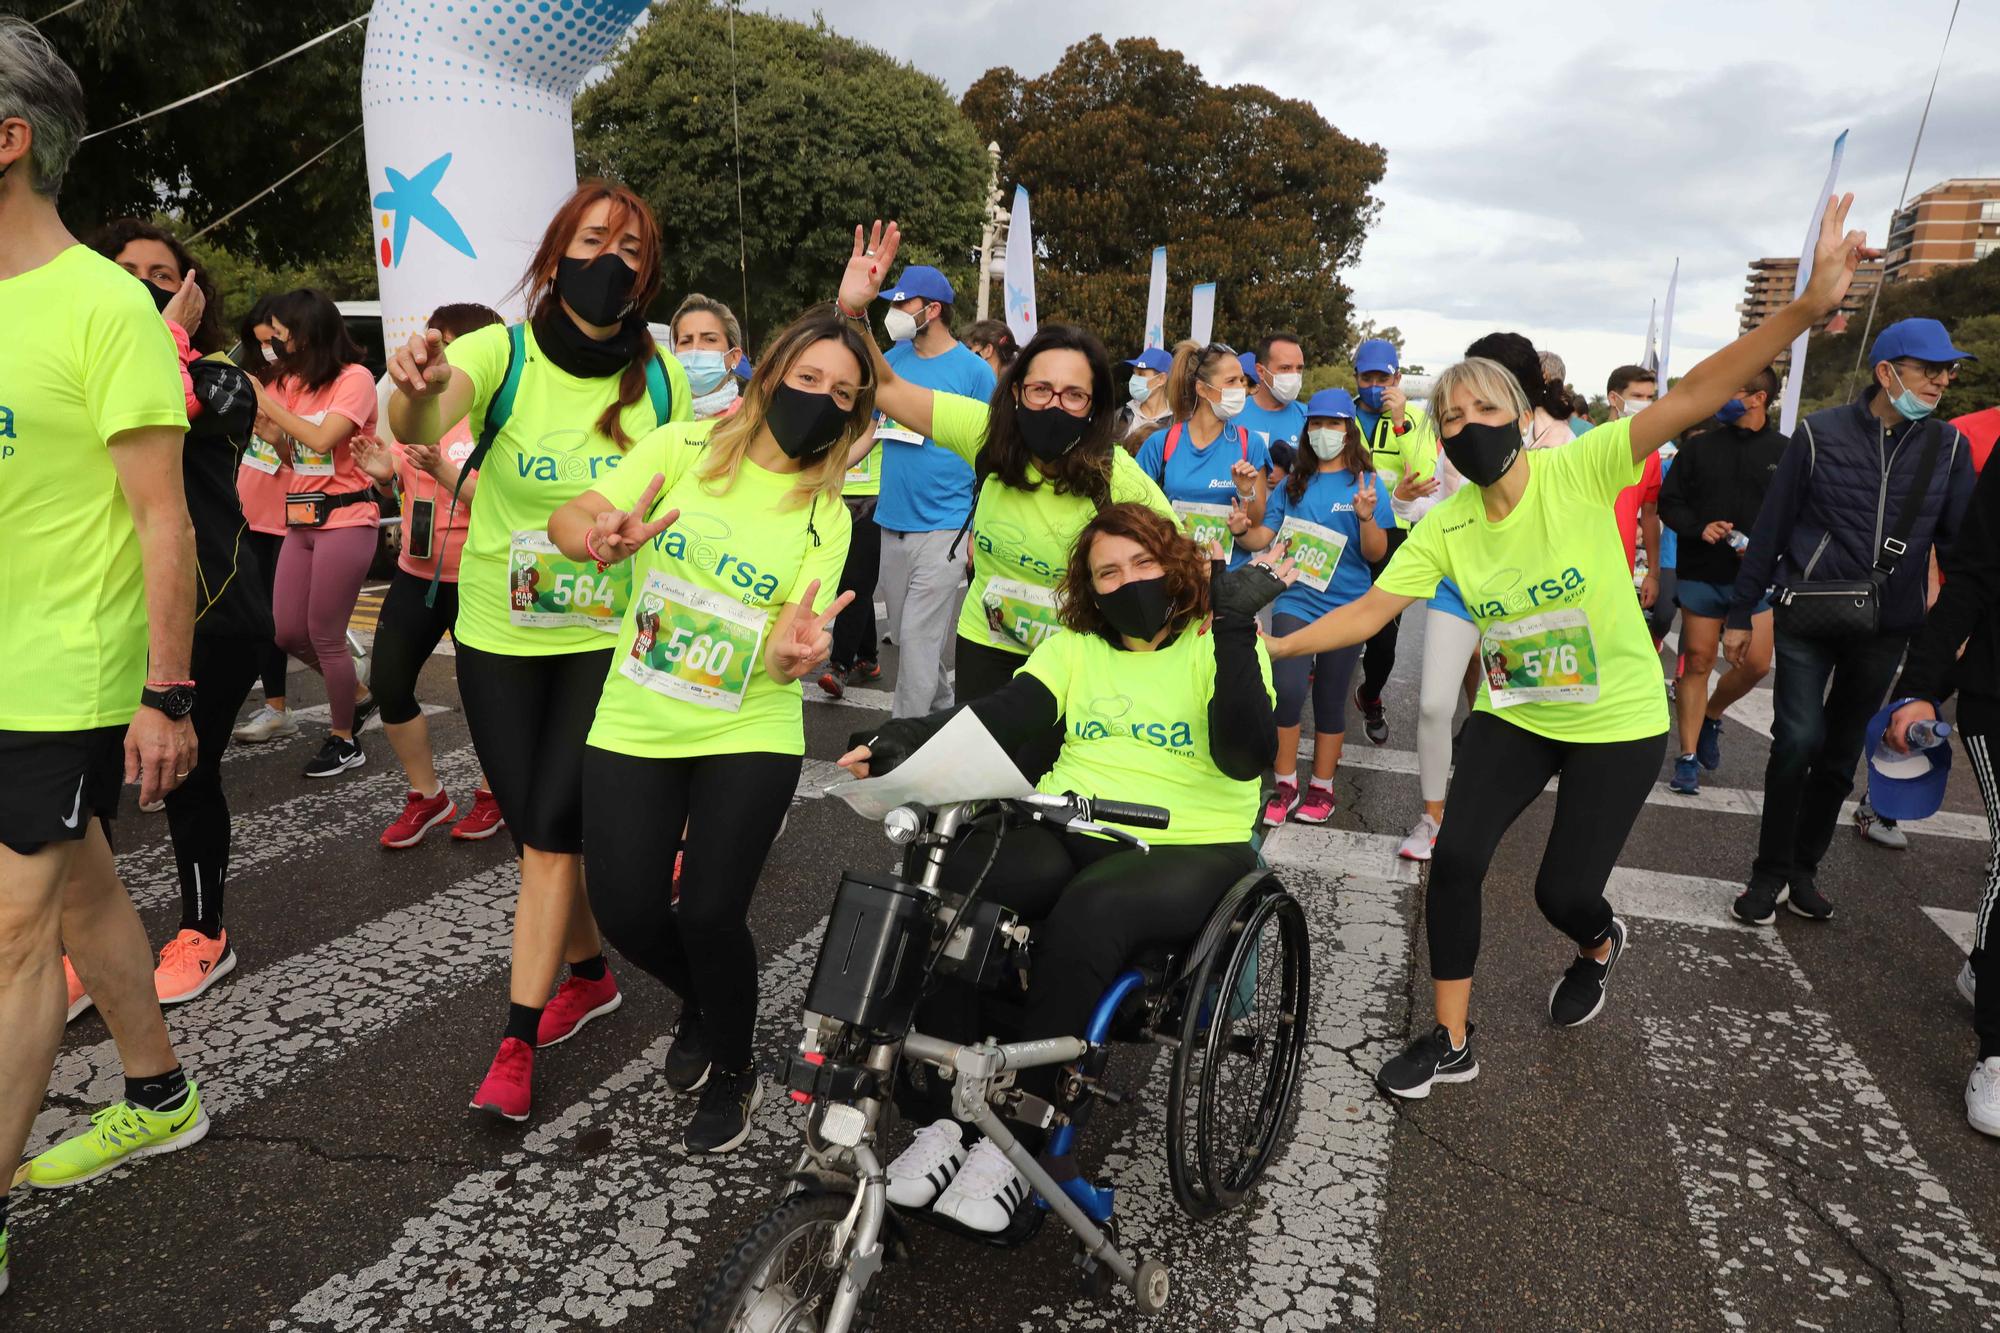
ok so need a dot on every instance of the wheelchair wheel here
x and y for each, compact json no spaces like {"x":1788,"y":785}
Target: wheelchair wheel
{"x":781,"y":1278}
{"x":1241,"y":1050}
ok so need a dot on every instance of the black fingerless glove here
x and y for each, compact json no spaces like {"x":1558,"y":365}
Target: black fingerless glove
{"x":1244,"y":590}
{"x":891,"y":743}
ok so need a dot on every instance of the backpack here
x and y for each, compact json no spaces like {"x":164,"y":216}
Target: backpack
{"x":1174,"y":438}
{"x":500,"y":408}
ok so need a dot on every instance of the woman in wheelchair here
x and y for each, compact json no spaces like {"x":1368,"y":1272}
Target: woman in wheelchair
{"x":1164,"y":693}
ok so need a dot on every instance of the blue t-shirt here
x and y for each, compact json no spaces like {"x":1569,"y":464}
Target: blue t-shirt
{"x":926,"y":488}
{"x":1329,"y":502}
{"x":1670,"y":541}
{"x":1201,"y":476}
{"x":1288,"y":423}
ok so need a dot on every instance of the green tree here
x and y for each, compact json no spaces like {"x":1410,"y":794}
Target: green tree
{"x":1126,"y":147}
{"x":833,"y":133}
{"x":201,"y":160}
{"x":1966,"y":299}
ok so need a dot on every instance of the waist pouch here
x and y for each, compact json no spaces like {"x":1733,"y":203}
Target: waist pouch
{"x":1830,"y":609}
{"x":311,"y":509}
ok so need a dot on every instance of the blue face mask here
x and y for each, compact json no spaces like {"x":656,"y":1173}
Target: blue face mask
{"x":1731,"y":412}
{"x":1371,"y":397}
{"x":1912,"y":407}
{"x":705,"y":370}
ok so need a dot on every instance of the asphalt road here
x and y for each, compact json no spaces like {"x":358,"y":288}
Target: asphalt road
{"x":1764,"y":1130}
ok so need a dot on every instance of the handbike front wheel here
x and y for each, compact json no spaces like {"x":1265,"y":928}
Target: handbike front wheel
{"x":781,"y":1278}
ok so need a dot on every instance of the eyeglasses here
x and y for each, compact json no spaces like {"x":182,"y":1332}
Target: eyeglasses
{"x":1040,"y":394}
{"x":1938,"y":372}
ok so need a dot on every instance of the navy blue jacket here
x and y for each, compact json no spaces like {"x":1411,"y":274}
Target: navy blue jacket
{"x":1839,"y":491}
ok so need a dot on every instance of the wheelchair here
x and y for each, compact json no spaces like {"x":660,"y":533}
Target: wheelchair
{"x":1231,"y":1008}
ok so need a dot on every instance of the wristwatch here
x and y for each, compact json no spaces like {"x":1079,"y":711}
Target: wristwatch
{"x":176,"y":701}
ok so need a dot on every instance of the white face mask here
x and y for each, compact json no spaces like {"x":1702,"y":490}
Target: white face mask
{"x":1139,"y":386}
{"x":1326,"y":442}
{"x":1285,"y":388}
{"x":901,"y":326}
{"x":1231,"y":402}
{"x":1633,"y":407}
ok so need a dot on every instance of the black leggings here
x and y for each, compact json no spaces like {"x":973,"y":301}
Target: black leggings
{"x":983,"y":669}
{"x":197,"y":810}
{"x":1379,"y":658}
{"x":700,"y":948}
{"x":529,"y":717}
{"x":1331,"y":672}
{"x":405,"y":637}
{"x":854,"y":629}
{"x":270,"y":657}
{"x":1092,"y":905}
{"x":1501,"y":769}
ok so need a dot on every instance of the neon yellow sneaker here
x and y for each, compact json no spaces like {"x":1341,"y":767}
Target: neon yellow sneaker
{"x":119,"y":1132}
{"x":3,"y":1263}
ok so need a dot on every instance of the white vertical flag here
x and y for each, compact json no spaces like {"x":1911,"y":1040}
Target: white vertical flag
{"x":1796,"y":377}
{"x":1650,"y":358}
{"x":1019,"y":279}
{"x":1156,"y":300}
{"x":1202,"y":324}
{"x":1667,"y":328}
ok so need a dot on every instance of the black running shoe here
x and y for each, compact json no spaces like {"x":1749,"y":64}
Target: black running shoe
{"x":722,"y":1120}
{"x":1579,"y":996}
{"x":1807,"y":901}
{"x":1757,"y":905}
{"x":1429,"y":1059}
{"x":364,"y":712}
{"x":334,"y":758}
{"x":1373,"y":720}
{"x":688,"y":1058}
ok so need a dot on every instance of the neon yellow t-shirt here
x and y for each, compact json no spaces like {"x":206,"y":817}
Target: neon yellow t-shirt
{"x":1413,"y":453}
{"x":1021,"y":540}
{"x":1564,"y":650}
{"x":688,"y":675}
{"x":549,"y":452}
{"x":1135,"y":728}
{"x":864,"y":479}
{"x":85,"y":357}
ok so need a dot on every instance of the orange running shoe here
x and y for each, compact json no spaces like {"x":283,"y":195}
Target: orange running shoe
{"x":78,"y":1000}
{"x":190,"y":963}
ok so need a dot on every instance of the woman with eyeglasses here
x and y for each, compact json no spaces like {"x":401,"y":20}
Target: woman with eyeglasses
{"x":1046,"y":459}
{"x":1211,"y":469}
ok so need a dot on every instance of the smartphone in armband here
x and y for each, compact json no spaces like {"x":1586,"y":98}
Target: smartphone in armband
{"x":307,"y":509}
{"x":417,"y":537}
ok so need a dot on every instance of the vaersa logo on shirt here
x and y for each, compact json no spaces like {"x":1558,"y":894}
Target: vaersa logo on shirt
{"x":696,"y":539}
{"x":1567,"y":586}
{"x":562,"y":462}
{"x":6,"y":432}
{"x":1107,"y":718}
{"x":1008,"y":549}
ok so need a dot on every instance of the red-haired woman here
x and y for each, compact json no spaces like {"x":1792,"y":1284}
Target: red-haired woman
{"x":530,"y":674}
{"x":1160,"y":703}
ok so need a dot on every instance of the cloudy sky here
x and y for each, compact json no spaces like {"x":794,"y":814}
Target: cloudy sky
{"x":1547,"y":166}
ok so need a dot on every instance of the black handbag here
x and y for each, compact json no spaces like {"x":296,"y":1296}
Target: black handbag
{"x":1852,"y":608}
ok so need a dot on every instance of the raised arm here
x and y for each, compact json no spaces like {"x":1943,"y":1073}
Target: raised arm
{"x":1342,"y":627}
{"x":1696,"y":396}
{"x":430,"y":392}
{"x":905,"y":403}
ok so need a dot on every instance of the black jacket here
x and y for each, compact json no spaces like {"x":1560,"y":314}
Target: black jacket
{"x":1719,"y":474}
{"x":1840,"y":490}
{"x":1967,"y":612}
{"x":230,"y":601}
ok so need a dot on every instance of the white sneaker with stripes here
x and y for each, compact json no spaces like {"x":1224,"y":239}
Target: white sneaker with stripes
{"x":922,"y":1170}
{"x":985,"y":1192}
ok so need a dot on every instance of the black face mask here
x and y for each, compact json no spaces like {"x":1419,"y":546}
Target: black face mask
{"x":1482,"y":454}
{"x":1049,"y":432}
{"x":1138,"y":609}
{"x":162,"y":298}
{"x":599,"y":290}
{"x":805,"y":425}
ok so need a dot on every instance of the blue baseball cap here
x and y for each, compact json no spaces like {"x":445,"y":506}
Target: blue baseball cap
{"x":1330,"y":403}
{"x":1153,"y":358}
{"x":921,"y":280}
{"x":1376,"y":354}
{"x":1905,"y":786}
{"x":1249,"y":363}
{"x":1917,"y":339}
{"x":743,"y":369}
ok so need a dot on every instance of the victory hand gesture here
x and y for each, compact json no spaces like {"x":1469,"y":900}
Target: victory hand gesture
{"x":1239,"y":517}
{"x":869,"y":265}
{"x":805,"y":642}
{"x":615,"y":534}
{"x":1836,"y":255}
{"x":419,"y":367}
{"x":1412,"y":487}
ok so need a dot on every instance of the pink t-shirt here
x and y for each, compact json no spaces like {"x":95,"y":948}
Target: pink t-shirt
{"x":351,"y":394}
{"x":1630,"y":501}
{"x":416,"y":484}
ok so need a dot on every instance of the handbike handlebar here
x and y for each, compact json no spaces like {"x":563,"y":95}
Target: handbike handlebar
{"x":1082,"y":814}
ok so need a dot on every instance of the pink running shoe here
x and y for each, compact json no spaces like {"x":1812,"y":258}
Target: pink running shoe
{"x":1280,"y":806}
{"x":190,"y":963}
{"x":420,"y":815}
{"x":79,"y":1000}
{"x":575,"y":1003}
{"x":1317,"y":807}
{"x":506,"y":1090}
{"x":482,"y":821}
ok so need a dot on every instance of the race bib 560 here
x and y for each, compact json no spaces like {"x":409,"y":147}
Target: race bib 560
{"x":693,"y":644}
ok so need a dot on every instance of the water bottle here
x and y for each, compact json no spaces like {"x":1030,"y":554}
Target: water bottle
{"x":1739,"y":541}
{"x":1927,"y":734}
